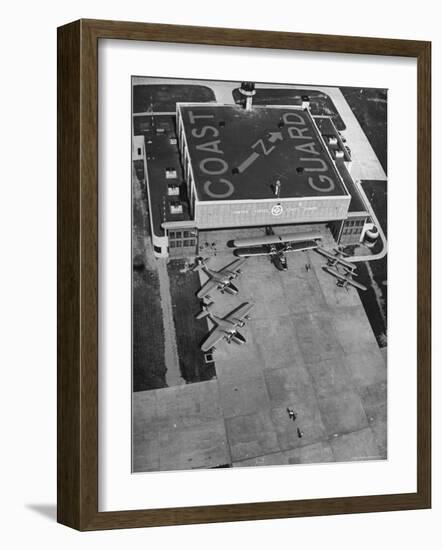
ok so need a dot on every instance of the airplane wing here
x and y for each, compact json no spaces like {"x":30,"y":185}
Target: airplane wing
{"x":213,"y":338}
{"x":337,"y":258}
{"x":239,"y":314}
{"x":340,"y":253}
{"x":233,"y":267}
{"x":256,"y":241}
{"x":335,"y":273}
{"x":252,"y":251}
{"x":302,"y":236}
{"x":303,"y":245}
{"x":272,"y":239}
{"x":206,"y":288}
{"x":325,"y":253}
{"x":279,"y":247}
{"x":347,"y":265}
{"x":356,"y":284}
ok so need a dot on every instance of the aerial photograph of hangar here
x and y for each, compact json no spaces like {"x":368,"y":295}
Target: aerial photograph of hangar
{"x":259,"y":274}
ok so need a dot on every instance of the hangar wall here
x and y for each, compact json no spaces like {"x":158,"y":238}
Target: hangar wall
{"x":212,"y":214}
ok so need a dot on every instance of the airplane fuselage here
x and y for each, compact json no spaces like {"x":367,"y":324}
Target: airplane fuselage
{"x":225,"y":324}
{"x":279,"y":260}
{"x":335,"y":259}
{"x":225,"y":327}
{"x":229,"y":328}
{"x":276,"y":251}
{"x":224,"y":278}
{"x":220,"y":278}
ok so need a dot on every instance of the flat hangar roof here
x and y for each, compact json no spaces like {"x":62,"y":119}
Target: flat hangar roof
{"x":241,"y":155}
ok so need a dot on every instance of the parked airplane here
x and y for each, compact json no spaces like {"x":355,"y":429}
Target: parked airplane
{"x":225,"y":327}
{"x":343,"y":279}
{"x":336,"y":258}
{"x":276,"y":246}
{"x":220,"y":280}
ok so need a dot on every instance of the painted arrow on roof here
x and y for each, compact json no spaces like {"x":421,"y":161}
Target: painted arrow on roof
{"x":264,"y":148}
{"x":274,"y":137}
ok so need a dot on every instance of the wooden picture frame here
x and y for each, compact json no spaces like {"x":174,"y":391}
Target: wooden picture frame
{"x":78,"y":274}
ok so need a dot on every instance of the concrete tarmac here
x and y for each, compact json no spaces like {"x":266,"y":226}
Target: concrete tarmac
{"x":309,"y":347}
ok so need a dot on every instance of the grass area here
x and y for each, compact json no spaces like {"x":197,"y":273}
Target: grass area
{"x":139,"y":172}
{"x":374,"y":299}
{"x":376,"y":192}
{"x":369,"y":106}
{"x":149,"y":369}
{"x":320,"y":103}
{"x":163,"y":97}
{"x":190,"y":331}
{"x":374,"y":274}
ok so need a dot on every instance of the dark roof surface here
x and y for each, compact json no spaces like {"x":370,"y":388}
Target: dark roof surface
{"x":320,"y":103}
{"x":163,"y":97}
{"x":254,"y":149}
{"x":161,"y":154}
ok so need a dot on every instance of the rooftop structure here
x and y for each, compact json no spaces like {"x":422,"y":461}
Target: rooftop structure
{"x":264,"y":166}
{"x":226,"y":166}
{"x":167,"y":193}
{"x":244,"y":153}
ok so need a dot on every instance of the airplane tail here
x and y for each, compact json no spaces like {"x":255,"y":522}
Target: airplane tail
{"x":205,"y":310}
{"x":200,"y":263}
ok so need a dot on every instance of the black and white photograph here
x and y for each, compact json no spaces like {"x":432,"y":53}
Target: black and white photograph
{"x":217,"y":285}
{"x":259,"y":274}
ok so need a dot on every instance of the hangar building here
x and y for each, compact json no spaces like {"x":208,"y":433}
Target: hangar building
{"x":217,"y":166}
